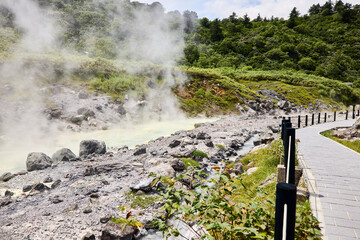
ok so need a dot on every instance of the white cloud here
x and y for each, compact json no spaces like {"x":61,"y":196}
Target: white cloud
{"x":224,"y":8}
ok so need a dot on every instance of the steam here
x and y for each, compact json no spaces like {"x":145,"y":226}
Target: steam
{"x":149,"y":37}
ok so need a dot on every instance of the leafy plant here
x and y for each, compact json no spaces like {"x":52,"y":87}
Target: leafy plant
{"x":200,"y":154}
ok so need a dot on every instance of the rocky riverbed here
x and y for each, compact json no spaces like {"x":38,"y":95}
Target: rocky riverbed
{"x":74,"y":196}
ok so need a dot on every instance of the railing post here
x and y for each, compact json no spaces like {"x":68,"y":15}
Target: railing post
{"x":353,"y":115}
{"x":346,"y":114}
{"x":299,"y":121}
{"x":325,"y":116}
{"x":312,"y":119}
{"x":285,"y":123}
{"x":319,"y":118}
{"x":306,"y":120}
{"x":285,"y":211}
{"x":335,"y":116}
{"x":358,"y":112}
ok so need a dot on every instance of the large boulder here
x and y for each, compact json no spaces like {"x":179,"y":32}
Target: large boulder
{"x":63,"y":154}
{"x":83,"y":95}
{"x":37,"y":161}
{"x":163,"y":169}
{"x":114,"y":231}
{"x":88,"y":147}
{"x":86,"y":112}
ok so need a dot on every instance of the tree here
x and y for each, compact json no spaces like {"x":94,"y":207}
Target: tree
{"x":327,"y":9}
{"x":293,"y":15}
{"x":216,"y":33}
{"x":233,"y":17}
{"x":258,"y":18}
{"x":247,"y":22}
{"x":192,"y":53}
{"x":315,"y":9}
{"x":190,"y":20}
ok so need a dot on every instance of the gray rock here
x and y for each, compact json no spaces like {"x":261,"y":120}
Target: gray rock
{"x":8,"y":193}
{"x":87,"y":210}
{"x":253,"y":105}
{"x":177,"y":164}
{"x":251,"y":170}
{"x":6,"y":177}
{"x":140,"y":151}
{"x":41,"y":187}
{"x":27,"y":188}
{"x":142,"y":184}
{"x":285,"y":105}
{"x":202,"y":136}
{"x":37,"y":161}
{"x":174,"y":143}
{"x":238,"y":168}
{"x":48,"y":180}
{"x":88,"y":147}
{"x":77,"y":119}
{"x":163,"y":169}
{"x":121,"y":110}
{"x":64,"y":154}
{"x":114,"y":231}
{"x":83,"y":95}
{"x":209,"y":143}
{"x":55,"y":184}
{"x":88,"y":236}
{"x":86,"y":112}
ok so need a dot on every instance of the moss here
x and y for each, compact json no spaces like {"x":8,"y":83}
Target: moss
{"x":200,"y":154}
{"x":190,"y":162}
{"x":142,"y":201}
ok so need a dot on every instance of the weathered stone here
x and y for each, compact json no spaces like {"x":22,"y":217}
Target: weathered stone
{"x":6,"y":177}
{"x":142,"y":184}
{"x":88,"y":147}
{"x":83,"y":95}
{"x":41,"y":187}
{"x":121,"y":110}
{"x":114,"y":231}
{"x":87,"y":210}
{"x":235,"y":144}
{"x":174,"y":143}
{"x":163,"y":169}
{"x":37,"y":161}
{"x":63,"y":154}
{"x":77,"y":119}
{"x":281,"y":174}
{"x":6,"y":201}
{"x":177,"y":164}
{"x":55,"y":184}
{"x":90,"y":171}
{"x":86,"y":112}
{"x":238,"y":168}
{"x":27,"y":188}
{"x":209,"y":143}
{"x":140,"y":151}
{"x":203,"y":136}
{"x":88,"y":236}
{"x":48,"y":180}
{"x":251,"y":170}
{"x":8,"y":193}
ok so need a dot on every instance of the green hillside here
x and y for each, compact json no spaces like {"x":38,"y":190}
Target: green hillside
{"x":310,"y":58}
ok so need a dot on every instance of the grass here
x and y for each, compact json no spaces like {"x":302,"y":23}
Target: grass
{"x":267,"y":160}
{"x":142,"y":201}
{"x":190,"y":162}
{"x":354,"y":145}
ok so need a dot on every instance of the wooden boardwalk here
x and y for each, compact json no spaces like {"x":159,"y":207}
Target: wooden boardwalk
{"x":333,"y":172}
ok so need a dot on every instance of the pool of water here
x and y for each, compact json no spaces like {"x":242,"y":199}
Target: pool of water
{"x":13,"y":154}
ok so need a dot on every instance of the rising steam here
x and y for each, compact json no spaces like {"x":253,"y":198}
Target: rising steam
{"x":148,"y":36}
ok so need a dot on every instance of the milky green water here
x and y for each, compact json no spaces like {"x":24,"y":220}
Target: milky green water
{"x":13,"y":154}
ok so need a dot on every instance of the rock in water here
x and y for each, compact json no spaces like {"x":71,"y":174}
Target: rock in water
{"x":64,"y":154}
{"x":37,"y":161}
{"x":88,"y":147}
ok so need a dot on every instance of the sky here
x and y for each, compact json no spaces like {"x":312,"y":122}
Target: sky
{"x":223,"y":8}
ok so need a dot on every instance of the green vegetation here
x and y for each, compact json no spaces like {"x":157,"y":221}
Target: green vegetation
{"x":234,"y":208}
{"x":142,"y":201}
{"x":190,"y":162}
{"x":197,"y":153}
{"x":306,"y":58}
{"x":354,"y":145}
